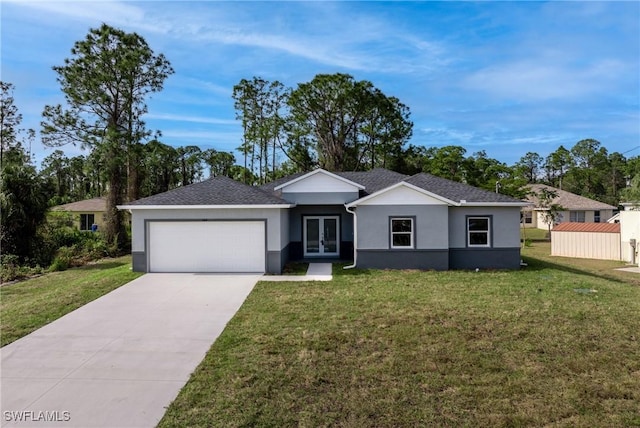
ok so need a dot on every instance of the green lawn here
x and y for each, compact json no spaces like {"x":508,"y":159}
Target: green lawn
{"x":556,"y":344}
{"x":31,"y":304}
{"x":534,"y":234}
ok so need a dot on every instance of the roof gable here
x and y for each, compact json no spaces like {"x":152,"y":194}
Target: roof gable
{"x":402,"y":193}
{"x":319,"y":181}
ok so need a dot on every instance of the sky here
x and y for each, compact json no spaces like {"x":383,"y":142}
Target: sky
{"x":504,"y":77}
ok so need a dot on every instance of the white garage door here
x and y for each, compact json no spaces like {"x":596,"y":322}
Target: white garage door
{"x":207,"y":246}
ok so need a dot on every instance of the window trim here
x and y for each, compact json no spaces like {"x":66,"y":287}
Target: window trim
{"x":489,"y":231}
{"x":411,"y":234}
{"x":527,"y":217}
{"x":597,"y":216}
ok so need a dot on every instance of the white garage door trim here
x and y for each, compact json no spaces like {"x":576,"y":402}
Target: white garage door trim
{"x":216,"y":246}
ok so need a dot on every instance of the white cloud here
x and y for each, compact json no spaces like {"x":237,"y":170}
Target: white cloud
{"x":448,"y":135}
{"x":112,"y":12}
{"x":201,"y":135}
{"x":535,"y":79}
{"x":191,"y":119}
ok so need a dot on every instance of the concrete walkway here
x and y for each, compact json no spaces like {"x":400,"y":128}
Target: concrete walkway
{"x":633,"y":269}
{"x":120,"y":360}
{"x":315,"y":272}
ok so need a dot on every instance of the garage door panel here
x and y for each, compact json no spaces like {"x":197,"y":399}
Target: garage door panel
{"x":207,"y":246}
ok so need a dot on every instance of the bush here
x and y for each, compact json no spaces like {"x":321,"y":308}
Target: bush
{"x":12,"y":269}
{"x":63,"y":259}
{"x":59,"y":245}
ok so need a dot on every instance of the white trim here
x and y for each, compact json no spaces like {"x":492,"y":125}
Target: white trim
{"x":488,"y":231}
{"x":198,"y":207}
{"x":355,"y":239}
{"x":404,"y":184}
{"x":411,"y":233}
{"x":496,"y":204}
{"x":319,"y":171}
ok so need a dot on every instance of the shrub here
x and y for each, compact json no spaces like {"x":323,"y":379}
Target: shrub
{"x":63,"y":259}
{"x":11,"y":268}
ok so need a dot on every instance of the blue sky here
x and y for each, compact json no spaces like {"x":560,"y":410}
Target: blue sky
{"x":504,"y":77}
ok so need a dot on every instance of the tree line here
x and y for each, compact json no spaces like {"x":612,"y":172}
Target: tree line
{"x":334,"y":122}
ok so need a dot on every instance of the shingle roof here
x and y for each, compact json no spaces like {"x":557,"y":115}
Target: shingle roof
{"x":587,"y":227}
{"x":568,"y":200}
{"x":456,"y":191}
{"x":89,"y":205}
{"x":213,"y":191}
{"x":269,"y":187}
{"x":226,"y":191}
{"x":374,"y":180}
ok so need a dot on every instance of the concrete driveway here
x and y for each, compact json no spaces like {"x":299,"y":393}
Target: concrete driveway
{"x":120,"y":360}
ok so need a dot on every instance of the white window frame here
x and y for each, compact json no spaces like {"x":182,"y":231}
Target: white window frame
{"x":527,"y":217}
{"x":410,"y":233}
{"x":488,"y":231}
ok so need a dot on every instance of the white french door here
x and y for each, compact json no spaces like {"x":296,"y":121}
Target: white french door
{"x":321,"y":236}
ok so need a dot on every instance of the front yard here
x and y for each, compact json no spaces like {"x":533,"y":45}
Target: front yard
{"x":555,"y":344}
{"x":33,"y":303}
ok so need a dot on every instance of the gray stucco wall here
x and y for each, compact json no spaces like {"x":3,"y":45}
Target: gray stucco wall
{"x":403,"y":259}
{"x":505,"y":227}
{"x":440,"y":234}
{"x":431,"y":226}
{"x":277,"y":239}
{"x":484,"y":258}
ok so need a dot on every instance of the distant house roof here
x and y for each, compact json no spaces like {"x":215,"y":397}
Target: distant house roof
{"x":567,"y":200}
{"x":88,"y":205}
{"x":587,"y":227}
{"x":213,"y":191}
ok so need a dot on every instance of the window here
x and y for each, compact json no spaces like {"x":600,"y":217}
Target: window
{"x":576,"y":216}
{"x":86,"y":220}
{"x":596,"y":216}
{"x":527,"y":217}
{"x":402,"y":233}
{"x":478,"y":230}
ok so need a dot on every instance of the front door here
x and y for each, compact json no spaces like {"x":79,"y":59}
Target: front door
{"x":321,"y":236}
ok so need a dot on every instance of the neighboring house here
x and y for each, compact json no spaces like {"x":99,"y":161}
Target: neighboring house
{"x":86,"y":213}
{"x":378,"y":219}
{"x":577,"y":209}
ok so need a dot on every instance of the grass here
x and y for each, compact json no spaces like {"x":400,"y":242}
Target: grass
{"x":534,"y":234}
{"x":295,"y":268}
{"x":33,"y":303}
{"x":411,"y":348}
